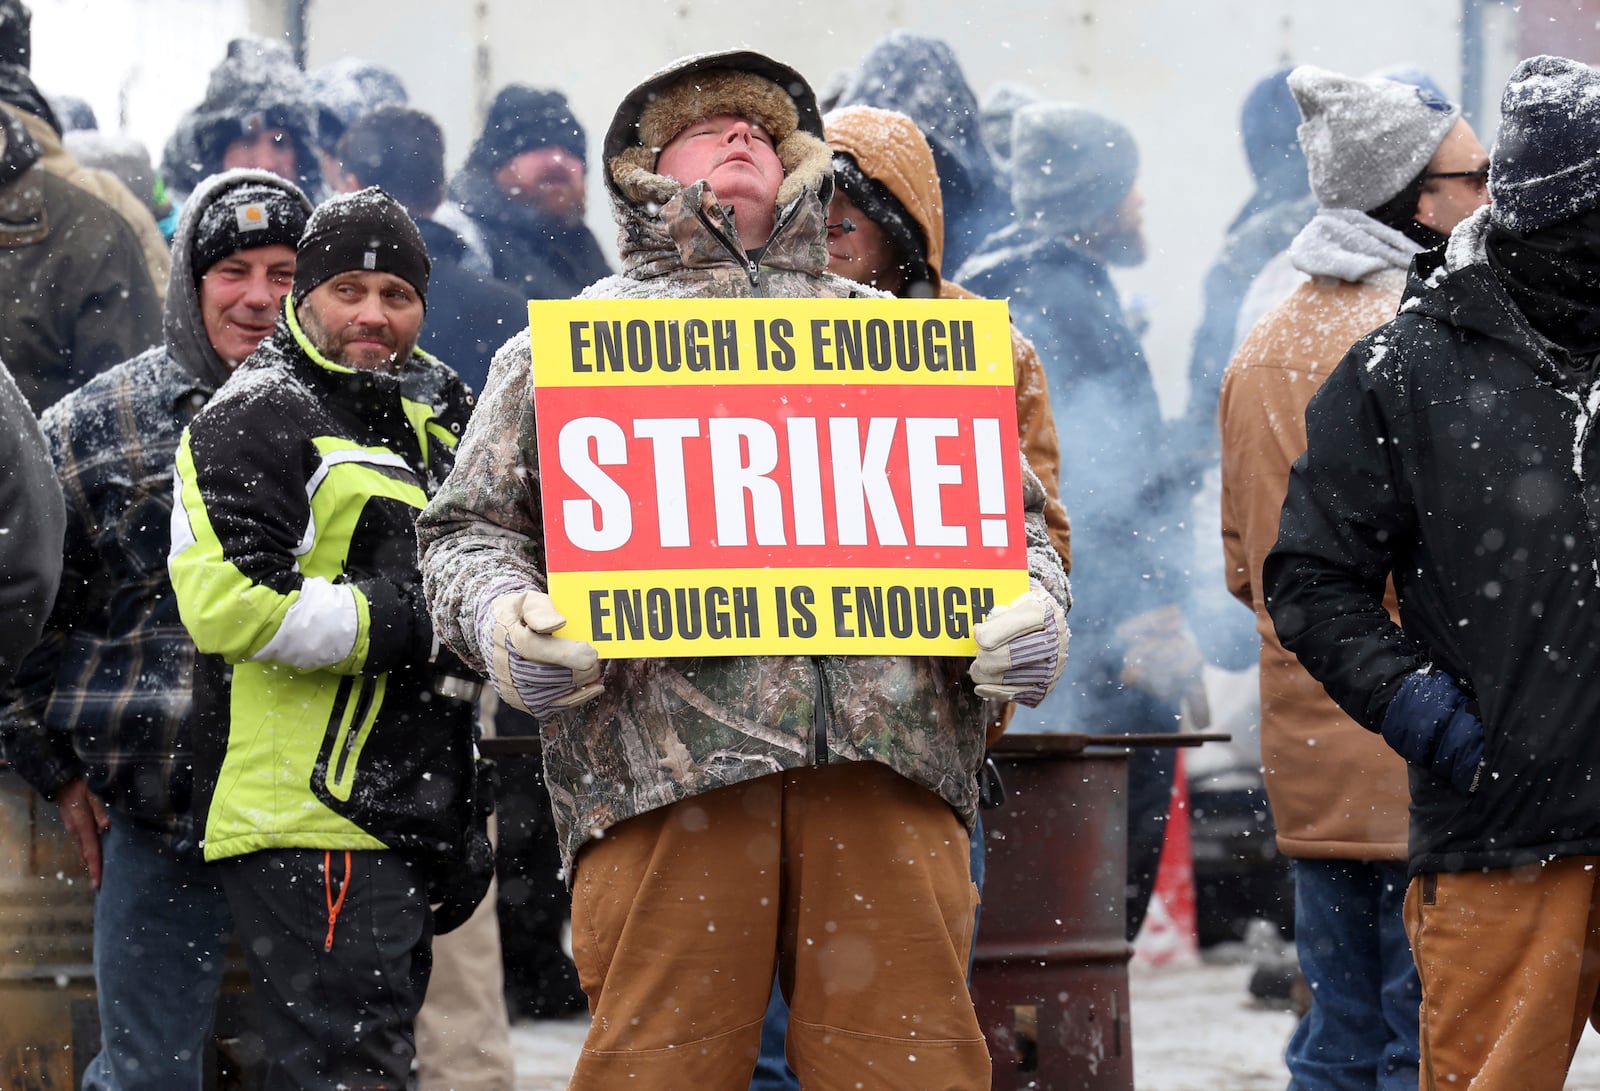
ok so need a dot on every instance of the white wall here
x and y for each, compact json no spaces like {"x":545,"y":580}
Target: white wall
{"x":1175,"y":71}
{"x":140,"y":63}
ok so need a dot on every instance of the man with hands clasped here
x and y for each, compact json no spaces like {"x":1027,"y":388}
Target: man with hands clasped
{"x":725,"y":817}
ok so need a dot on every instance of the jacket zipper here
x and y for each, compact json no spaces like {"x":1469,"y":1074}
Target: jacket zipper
{"x":752,"y":266}
{"x":752,"y":270}
{"x":819,"y":714}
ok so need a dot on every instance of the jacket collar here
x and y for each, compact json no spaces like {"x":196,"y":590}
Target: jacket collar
{"x":693,"y":235}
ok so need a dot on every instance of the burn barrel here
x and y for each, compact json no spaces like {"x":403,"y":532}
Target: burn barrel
{"x":49,"y":1021}
{"x":1050,"y":974}
{"x":46,"y":943}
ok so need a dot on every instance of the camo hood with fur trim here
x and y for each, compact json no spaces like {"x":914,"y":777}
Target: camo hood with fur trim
{"x":739,"y":82}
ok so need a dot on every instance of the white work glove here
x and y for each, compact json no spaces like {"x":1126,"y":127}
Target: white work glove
{"x":1163,"y":660}
{"x":532,"y":669}
{"x":1022,"y":649}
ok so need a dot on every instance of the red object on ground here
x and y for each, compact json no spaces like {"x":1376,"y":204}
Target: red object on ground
{"x":1171,"y":928}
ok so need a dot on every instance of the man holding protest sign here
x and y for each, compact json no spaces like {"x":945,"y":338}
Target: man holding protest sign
{"x":726,"y":814}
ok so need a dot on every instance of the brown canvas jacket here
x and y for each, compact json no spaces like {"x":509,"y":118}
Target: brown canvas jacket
{"x":1337,"y":790}
{"x":890,"y":150}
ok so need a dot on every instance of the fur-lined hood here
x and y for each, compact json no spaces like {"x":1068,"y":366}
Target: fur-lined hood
{"x":795,"y":124}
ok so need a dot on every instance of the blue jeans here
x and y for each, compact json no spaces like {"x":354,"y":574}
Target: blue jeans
{"x":772,"y":1070}
{"x":161,"y":928}
{"x":1361,"y":1031}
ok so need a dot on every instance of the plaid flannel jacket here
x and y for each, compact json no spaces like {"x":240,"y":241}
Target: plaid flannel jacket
{"x":106,"y":694}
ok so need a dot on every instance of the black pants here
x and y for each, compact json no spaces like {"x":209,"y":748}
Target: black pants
{"x":541,"y":981}
{"x":336,"y":993}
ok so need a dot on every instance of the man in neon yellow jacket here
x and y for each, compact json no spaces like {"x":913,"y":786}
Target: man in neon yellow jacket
{"x":334,"y":766}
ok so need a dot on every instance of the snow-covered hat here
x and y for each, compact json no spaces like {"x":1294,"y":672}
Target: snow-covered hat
{"x":247,"y":215}
{"x":1365,"y":139}
{"x":1545,"y":166}
{"x":348,"y":88}
{"x":16,"y":34}
{"x":1070,"y":167}
{"x":997,"y":113}
{"x":524,"y":118}
{"x":368,"y":230}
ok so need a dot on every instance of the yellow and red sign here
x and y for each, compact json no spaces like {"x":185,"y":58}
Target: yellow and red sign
{"x":776,"y":476}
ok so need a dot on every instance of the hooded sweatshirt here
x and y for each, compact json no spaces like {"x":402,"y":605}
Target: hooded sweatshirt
{"x":256,"y":84}
{"x":106,"y":695}
{"x":666,"y":730}
{"x":920,"y":77}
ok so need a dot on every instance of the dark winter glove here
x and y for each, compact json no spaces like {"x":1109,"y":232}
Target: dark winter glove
{"x":1429,"y":723}
{"x":401,"y":633}
{"x":459,"y":880}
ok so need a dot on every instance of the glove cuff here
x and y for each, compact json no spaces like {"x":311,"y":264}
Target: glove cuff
{"x":483,"y":621}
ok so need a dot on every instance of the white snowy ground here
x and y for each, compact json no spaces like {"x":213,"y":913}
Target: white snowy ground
{"x":1195,"y":1028}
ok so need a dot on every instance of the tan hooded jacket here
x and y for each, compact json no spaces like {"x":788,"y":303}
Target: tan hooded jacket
{"x":109,"y":188}
{"x":891,"y":150}
{"x":1337,"y":790}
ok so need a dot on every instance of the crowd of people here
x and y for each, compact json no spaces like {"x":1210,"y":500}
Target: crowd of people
{"x":269,"y":532}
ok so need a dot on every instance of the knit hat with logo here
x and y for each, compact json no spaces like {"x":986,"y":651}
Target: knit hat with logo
{"x":367,"y":230}
{"x":249,"y":215}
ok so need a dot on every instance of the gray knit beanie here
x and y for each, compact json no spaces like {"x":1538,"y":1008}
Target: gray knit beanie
{"x":1070,"y":167}
{"x":998,"y":112}
{"x":1545,"y":166}
{"x":1365,"y":139}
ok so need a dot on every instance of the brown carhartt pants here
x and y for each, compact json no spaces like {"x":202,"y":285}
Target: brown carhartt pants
{"x":1510,"y":963}
{"x":850,"y":879}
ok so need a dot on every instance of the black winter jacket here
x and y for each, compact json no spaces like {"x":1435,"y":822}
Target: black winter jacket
{"x":537,"y":256}
{"x":318,"y":723}
{"x":1450,"y":449}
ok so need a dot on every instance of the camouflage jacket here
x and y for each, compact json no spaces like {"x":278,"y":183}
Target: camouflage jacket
{"x":668,"y":729}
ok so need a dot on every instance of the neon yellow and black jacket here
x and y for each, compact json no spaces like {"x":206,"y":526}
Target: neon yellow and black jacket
{"x":294,"y":560}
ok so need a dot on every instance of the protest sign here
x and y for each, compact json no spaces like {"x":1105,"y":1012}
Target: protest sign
{"x":777,"y":476}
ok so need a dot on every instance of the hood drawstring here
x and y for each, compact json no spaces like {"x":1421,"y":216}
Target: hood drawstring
{"x":334,"y":905}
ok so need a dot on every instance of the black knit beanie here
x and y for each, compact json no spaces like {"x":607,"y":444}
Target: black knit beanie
{"x":524,"y":118}
{"x":1545,"y":166}
{"x":249,"y":215}
{"x":368,"y":230}
{"x":884,"y":209}
{"x":16,"y":34}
